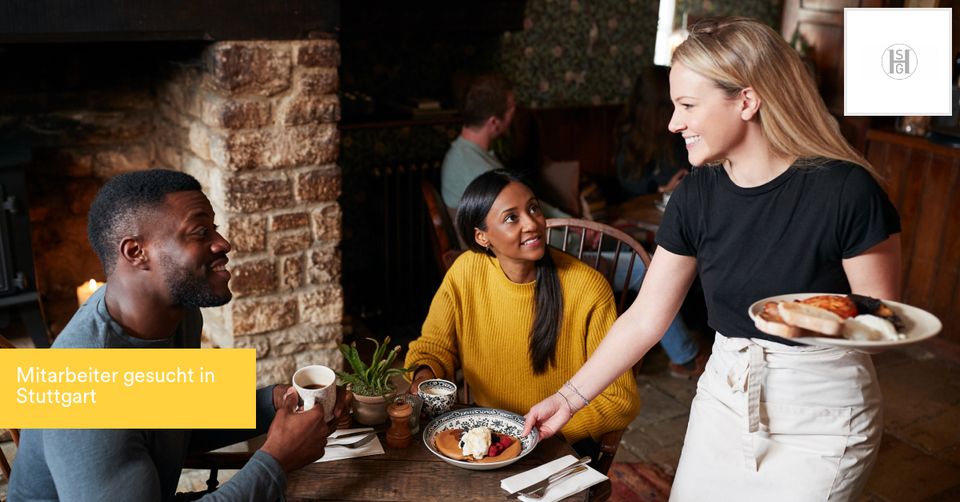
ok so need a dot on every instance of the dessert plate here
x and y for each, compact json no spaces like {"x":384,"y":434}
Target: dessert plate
{"x":496,"y":420}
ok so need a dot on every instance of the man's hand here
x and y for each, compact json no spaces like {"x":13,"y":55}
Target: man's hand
{"x":296,"y":439}
{"x":340,"y":406}
{"x":279,"y":391}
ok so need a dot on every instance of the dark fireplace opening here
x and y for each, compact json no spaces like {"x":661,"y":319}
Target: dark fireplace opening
{"x":71,"y":116}
{"x":18,"y":292}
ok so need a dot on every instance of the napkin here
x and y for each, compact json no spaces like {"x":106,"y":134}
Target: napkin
{"x":372,"y":448}
{"x":557,"y":491}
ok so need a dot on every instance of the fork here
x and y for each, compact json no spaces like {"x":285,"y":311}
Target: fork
{"x":356,"y":444}
{"x":541,"y":490}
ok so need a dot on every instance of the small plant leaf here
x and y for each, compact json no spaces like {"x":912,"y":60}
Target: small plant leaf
{"x":371,"y":379}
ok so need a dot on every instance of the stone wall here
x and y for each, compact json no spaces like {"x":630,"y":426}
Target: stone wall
{"x":256,"y":123}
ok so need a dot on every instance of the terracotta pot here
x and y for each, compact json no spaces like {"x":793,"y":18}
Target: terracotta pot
{"x":369,"y":410}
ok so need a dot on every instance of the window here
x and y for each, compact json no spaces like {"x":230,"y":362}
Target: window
{"x":667,"y":38}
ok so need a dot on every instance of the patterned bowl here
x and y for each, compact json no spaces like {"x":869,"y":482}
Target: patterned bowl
{"x":496,"y":420}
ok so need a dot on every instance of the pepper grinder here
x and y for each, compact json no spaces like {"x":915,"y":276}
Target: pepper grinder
{"x":398,"y":435}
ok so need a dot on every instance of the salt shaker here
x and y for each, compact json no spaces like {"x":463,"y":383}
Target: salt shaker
{"x":398,"y":435}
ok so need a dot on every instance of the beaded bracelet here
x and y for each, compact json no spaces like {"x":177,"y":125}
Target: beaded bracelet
{"x":586,"y":401}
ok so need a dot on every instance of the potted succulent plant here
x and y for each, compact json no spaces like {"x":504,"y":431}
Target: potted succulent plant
{"x":370,"y":382}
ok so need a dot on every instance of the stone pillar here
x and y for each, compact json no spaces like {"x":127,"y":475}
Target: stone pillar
{"x":256,"y":123}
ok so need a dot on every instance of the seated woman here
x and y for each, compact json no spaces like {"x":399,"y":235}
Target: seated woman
{"x":517,"y":317}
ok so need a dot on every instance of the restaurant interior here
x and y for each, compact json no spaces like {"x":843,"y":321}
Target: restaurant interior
{"x":313,"y":125}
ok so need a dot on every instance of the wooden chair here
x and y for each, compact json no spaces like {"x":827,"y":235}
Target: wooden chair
{"x":15,"y":433}
{"x":617,"y":249}
{"x":446,"y":245}
{"x":215,"y":461}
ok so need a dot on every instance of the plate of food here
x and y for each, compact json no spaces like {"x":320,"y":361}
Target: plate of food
{"x":838,"y":320}
{"x":479,"y":438}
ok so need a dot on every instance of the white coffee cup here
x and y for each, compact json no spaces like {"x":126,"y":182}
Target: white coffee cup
{"x":438,"y":396}
{"x":317,"y":385}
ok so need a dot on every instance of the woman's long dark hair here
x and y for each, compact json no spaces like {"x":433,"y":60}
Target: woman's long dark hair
{"x":642,"y":130}
{"x":472,"y":214}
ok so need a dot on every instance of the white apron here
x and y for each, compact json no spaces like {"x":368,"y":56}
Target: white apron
{"x":773,"y":422}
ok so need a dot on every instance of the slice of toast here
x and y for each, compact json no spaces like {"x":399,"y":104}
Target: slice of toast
{"x":816,"y":319}
{"x":780,"y":329}
{"x":770,"y":322}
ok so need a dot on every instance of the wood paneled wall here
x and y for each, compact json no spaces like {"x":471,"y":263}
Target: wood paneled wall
{"x":923,"y":181}
{"x":820,"y":22}
{"x":582,"y":133}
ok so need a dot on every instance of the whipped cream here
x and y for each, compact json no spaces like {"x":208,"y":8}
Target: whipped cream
{"x":476,"y":442}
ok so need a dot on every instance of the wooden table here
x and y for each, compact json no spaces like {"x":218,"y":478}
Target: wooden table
{"x":642,"y":211}
{"x":415,"y":474}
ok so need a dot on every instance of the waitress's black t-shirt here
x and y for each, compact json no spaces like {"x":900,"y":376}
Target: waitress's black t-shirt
{"x":787,"y":236}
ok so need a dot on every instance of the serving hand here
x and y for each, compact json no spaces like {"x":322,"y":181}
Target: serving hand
{"x":549,"y":415}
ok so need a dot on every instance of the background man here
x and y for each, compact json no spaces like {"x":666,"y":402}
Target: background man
{"x":155,"y":235}
{"x":487,"y":111}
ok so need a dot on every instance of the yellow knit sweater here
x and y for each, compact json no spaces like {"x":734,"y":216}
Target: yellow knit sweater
{"x":480,"y":321}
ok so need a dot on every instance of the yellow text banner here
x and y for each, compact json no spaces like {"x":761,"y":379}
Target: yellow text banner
{"x":128,"y":388}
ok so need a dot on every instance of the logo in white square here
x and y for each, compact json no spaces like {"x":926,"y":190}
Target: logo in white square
{"x":897,"y":62}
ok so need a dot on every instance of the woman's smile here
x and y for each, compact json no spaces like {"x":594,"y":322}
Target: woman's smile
{"x":535,"y":241}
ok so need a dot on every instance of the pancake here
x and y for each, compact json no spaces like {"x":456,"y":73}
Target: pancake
{"x":448,"y":443}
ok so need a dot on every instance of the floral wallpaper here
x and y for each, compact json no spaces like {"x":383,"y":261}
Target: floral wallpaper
{"x":767,"y":11}
{"x":588,"y":52}
{"x":579,"y":52}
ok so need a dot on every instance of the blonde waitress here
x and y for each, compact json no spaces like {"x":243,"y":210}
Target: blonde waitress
{"x":780,"y":204}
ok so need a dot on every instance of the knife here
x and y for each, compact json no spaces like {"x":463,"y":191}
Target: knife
{"x":549,"y":479}
{"x":352,"y":434}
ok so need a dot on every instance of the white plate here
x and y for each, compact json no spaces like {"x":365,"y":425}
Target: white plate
{"x":496,"y":420}
{"x":919,"y":323}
